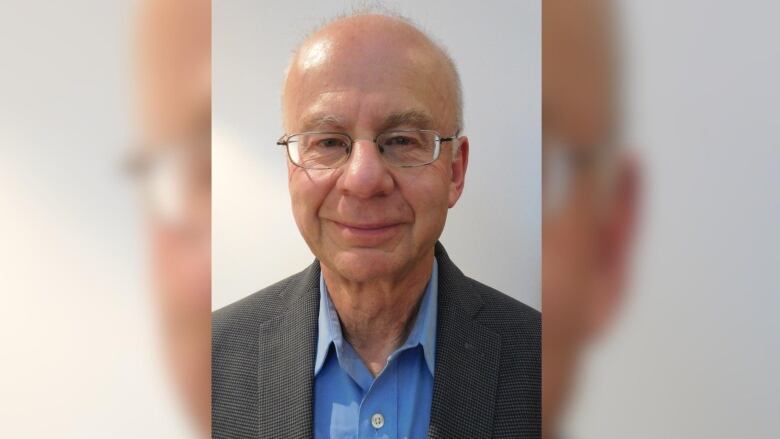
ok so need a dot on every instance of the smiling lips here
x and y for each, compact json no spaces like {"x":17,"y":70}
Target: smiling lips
{"x":367,"y":232}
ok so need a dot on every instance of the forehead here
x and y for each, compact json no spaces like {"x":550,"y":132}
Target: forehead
{"x":365,"y":78}
{"x":384,"y":119}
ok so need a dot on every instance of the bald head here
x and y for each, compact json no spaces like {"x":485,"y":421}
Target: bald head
{"x":369,"y":54}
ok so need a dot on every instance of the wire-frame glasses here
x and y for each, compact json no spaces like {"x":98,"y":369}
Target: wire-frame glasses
{"x":328,"y":150}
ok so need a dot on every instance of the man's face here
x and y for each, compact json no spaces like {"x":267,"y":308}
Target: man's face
{"x":367,"y":219}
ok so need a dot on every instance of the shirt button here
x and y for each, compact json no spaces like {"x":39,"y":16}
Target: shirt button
{"x":377,"y":420}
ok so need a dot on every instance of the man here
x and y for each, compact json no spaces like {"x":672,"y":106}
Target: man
{"x":173,"y":166}
{"x":589,"y":190}
{"x":382,"y":336}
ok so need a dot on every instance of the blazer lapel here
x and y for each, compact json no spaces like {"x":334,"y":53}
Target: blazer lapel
{"x":467,"y":360}
{"x":286,"y":353}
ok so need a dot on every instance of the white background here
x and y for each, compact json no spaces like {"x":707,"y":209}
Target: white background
{"x":493,"y":234}
{"x":696,"y":351}
{"x":79,"y":353}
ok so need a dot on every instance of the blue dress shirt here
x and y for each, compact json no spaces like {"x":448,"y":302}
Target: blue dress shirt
{"x":350,"y":403}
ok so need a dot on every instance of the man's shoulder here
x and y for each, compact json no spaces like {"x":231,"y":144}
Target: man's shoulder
{"x":517,"y":406}
{"x":236,"y":332}
{"x":251,"y":311}
{"x":506,"y":315}
{"x":494,"y":309}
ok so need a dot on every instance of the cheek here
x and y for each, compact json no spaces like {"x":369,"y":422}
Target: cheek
{"x":427,"y":193}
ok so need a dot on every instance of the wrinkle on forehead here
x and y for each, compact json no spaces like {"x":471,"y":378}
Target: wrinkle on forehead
{"x":369,"y":53}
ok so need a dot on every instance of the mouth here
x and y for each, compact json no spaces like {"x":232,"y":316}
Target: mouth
{"x":367,"y":233}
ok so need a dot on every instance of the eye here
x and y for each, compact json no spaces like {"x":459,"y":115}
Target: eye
{"x":331,"y":142}
{"x":401,"y":140}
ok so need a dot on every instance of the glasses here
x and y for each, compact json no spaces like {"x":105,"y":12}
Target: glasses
{"x":402,"y":148}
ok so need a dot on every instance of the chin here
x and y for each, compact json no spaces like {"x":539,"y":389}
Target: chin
{"x":364,"y":264}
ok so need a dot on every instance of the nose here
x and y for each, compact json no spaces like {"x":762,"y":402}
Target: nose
{"x":366,"y":174}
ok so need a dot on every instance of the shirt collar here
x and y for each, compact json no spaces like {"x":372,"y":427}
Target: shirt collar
{"x":423,"y":332}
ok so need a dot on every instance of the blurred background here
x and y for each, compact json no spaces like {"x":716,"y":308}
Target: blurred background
{"x":493,"y":234}
{"x":82,"y":313}
{"x":688,"y":344}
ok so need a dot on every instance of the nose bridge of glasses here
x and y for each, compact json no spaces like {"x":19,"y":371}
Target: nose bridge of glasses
{"x":368,"y":146}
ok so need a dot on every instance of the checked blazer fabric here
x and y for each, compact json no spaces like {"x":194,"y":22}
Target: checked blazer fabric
{"x":487,"y":380}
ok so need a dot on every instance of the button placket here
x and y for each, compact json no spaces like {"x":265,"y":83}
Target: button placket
{"x":378,"y":411}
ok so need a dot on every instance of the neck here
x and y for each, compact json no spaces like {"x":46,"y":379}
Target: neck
{"x":376,"y":316}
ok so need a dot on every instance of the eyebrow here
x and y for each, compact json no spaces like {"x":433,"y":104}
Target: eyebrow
{"x":413,"y":118}
{"x":321,"y":120}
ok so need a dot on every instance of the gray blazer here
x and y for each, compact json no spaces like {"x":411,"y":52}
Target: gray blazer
{"x":487,"y":380}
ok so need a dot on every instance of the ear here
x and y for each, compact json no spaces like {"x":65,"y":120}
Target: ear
{"x":460,"y":161}
{"x":615,"y":240}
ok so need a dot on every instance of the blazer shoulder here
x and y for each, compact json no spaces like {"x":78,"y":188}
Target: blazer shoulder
{"x":505,"y":314}
{"x":252,"y":310}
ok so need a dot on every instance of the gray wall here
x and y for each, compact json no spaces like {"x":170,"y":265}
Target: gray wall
{"x":493,"y":233}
